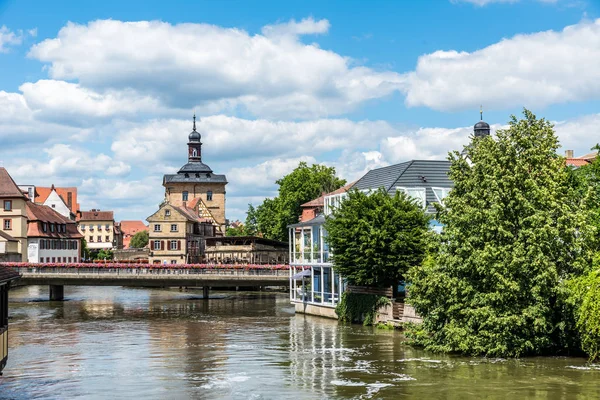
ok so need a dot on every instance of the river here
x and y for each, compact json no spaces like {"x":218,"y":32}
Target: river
{"x":122,"y":343}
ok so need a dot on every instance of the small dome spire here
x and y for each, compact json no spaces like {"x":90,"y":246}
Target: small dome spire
{"x":481,"y":128}
{"x":194,"y":136}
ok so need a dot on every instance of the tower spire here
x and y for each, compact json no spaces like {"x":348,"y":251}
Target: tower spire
{"x":194,"y":121}
{"x":480,"y":113}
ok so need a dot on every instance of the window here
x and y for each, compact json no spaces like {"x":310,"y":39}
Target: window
{"x":53,"y":259}
{"x":167,"y":213}
{"x":156,"y":227}
{"x":91,"y":239}
{"x":184,"y":196}
{"x":69,"y":259}
{"x":53,"y":205}
{"x":99,"y":227}
{"x":173,"y":261}
{"x":99,"y":239}
{"x":440,"y":193}
{"x":107,"y":227}
{"x":64,"y":228}
{"x":7,"y":205}
{"x":418,"y":194}
{"x":45,"y":227}
{"x":209,"y":196}
{"x":91,"y":228}
{"x":51,"y":227}
{"x":173,"y":227}
{"x":7,"y":224}
{"x":107,"y":239}
{"x":41,"y":259}
{"x":194,"y":153}
{"x":83,"y":227}
{"x":173,"y":245}
{"x":156,"y":245}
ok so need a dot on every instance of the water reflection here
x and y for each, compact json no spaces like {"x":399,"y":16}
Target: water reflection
{"x":153,"y":343}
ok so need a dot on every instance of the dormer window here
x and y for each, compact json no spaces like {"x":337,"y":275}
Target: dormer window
{"x":51,"y":227}
{"x":184,"y":196}
{"x":416,"y":193}
{"x":167,"y":213}
{"x":187,"y":175}
{"x":209,"y":196}
{"x":45,"y":227}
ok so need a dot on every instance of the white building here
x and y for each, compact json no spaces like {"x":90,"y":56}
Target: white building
{"x":51,"y":237}
{"x":315,"y":288}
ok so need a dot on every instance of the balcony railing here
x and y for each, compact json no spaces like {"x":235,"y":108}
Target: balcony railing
{"x":310,"y":257}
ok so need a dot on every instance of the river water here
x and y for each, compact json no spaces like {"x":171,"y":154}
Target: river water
{"x":120,"y":343}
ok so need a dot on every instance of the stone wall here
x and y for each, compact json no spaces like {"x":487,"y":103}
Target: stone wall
{"x":131,"y":254}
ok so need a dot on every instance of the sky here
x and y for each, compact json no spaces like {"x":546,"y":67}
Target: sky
{"x":101,"y":96}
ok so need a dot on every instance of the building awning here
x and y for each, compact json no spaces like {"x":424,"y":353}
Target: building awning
{"x":301,"y":275}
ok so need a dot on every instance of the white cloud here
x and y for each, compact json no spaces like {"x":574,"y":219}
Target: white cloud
{"x":9,"y":38}
{"x":527,"y":70}
{"x":306,"y":26}
{"x":262,"y":177}
{"x":66,"y":161}
{"x":235,"y":139}
{"x":67,"y":102}
{"x":189,"y":65}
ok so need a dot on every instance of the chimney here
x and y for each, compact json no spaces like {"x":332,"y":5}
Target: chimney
{"x":569,"y":153}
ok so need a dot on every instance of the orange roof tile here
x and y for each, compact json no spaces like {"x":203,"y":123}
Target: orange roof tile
{"x":577,"y":162}
{"x":63,"y":192}
{"x":37,"y":213}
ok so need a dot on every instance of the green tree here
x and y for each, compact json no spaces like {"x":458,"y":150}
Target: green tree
{"x":139,"y":240}
{"x":104,"y":254}
{"x":376,"y":238}
{"x":586,"y":179}
{"x":251,"y":224}
{"x":85,"y":252}
{"x":513,"y":230}
{"x":298,"y":187}
{"x":236,"y":231}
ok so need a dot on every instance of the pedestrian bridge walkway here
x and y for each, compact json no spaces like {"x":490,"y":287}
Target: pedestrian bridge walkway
{"x":145,"y":275}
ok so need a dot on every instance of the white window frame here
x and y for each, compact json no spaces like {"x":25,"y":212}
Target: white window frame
{"x":421,"y":199}
{"x":157,"y":228}
{"x":167,"y":213}
{"x":444,"y":190}
{"x":174,"y":228}
{"x":171,"y":243}
{"x":157,"y":245}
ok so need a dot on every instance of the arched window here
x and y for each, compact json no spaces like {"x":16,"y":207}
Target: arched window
{"x":194,"y":153}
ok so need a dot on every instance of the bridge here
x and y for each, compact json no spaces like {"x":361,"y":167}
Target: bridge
{"x":145,"y":275}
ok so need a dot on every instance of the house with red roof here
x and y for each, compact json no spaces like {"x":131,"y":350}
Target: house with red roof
{"x":129,"y":229}
{"x":98,"y":229}
{"x":51,"y":237}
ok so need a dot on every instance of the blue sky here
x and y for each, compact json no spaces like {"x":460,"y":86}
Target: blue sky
{"x":101,"y":96}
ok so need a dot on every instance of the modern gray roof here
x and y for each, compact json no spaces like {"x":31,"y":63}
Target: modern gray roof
{"x":381,"y":177}
{"x":411,"y":174}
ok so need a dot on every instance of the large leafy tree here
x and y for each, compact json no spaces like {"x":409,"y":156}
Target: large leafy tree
{"x":513,"y":231}
{"x":139,"y":240}
{"x":375,"y":238}
{"x":303,"y":184}
{"x":587,"y":181}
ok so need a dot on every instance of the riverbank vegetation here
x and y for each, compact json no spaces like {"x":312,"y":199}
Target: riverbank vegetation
{"x":360,"y":307}
{"x":512,"y":273}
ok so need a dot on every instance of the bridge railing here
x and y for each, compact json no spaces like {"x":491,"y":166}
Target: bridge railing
{"x":154,"y":270}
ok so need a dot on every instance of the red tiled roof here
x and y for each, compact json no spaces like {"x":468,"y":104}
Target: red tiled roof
{"x":8,"y":187}
{"x":37,"y":214}
{"x":8,"y":274}
{"x":132,"y":227}
{"x":577,"y":162}
{"x":44,"y":192}
{"x":96,"y":215}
